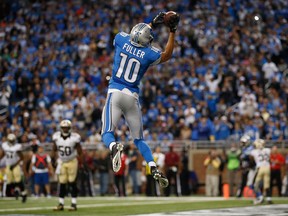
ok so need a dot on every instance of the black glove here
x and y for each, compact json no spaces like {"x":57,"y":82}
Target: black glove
{"x":12,"y":167}
{"x":173,"y":23}
{"x":158,"y":20}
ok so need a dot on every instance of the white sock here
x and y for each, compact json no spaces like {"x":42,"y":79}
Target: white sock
{"x":111,"y":145}
{"x":74,"y":200}
{"x":152,"y":163}
{"x":61,"y":201}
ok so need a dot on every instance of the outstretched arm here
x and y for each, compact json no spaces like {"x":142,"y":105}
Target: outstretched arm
{"x":2,"y":153}
{"x":173,"y":24}
{"x":167,"y":53}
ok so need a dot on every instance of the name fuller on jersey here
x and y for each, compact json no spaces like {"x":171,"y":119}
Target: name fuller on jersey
{"x":133,"y":50}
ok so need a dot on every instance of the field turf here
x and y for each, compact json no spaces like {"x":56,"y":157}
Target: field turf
{"x":115,"y":206}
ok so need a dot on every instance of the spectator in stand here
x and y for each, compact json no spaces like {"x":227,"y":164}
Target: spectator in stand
{"x":248,"y":105}
{"x":269,"y":68}
{"x":212,"y":82}
{"x":80,"y":58}
{"x":205,"y":129}
{"x":277,"y":160}
{"x":223,"y":129}
{"x":5,"y":93}
{"x":251,"y":130}
{"x":273,"y":131}
{"x":185,"y":130}
{"x":172,"y":161}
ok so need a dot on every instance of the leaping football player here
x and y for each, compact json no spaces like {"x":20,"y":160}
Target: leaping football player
{"x":134,"y":53}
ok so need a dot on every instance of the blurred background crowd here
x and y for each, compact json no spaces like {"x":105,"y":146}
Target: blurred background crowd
{"x":228,"y":76}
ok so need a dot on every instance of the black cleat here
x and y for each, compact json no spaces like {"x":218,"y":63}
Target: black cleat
{"x":16,"y":194}
{"x":73,"y":207}
{"x":60,"y":207}
{"x":116,"y":156}
{"x":270,"y":202}
{"x":159,"y":177}
{"x":24,"y":198}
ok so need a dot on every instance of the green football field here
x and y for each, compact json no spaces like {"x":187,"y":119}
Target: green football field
{"x":121,"y":206}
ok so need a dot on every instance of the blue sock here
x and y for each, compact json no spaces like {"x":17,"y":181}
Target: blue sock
{"x":108,"y":138}
{"x":144,"y":149}
{"x":258,"y":194}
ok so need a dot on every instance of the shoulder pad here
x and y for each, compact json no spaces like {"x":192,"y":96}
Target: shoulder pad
{"x":124,"y":34}
{"x":4,"y":145}
{"x":76,"y":135}
{"x":56,"y":135}
{"x":155,"y":49}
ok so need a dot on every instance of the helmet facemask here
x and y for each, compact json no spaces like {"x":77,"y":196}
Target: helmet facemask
{"x":11,"y":138}
{"x":245,"y":140}
{"x":65,"y":127}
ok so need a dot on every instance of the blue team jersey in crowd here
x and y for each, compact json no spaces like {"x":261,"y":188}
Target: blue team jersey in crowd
{"x":131,"y":63}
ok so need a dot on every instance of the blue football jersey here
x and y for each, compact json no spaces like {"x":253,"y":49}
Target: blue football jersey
{"x":131,"y":63}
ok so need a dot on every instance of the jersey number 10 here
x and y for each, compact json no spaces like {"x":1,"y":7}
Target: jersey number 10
{"x":130,"y":67}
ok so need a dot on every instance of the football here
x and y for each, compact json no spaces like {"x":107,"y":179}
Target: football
{"x":168,"y":16}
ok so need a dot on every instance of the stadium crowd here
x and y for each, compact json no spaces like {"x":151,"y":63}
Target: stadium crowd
{"x":228,"y":75}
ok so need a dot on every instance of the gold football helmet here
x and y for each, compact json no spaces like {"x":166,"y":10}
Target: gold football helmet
{"x":65,"y":127}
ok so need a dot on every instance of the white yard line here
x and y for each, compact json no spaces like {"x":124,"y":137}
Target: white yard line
{"x":144,"y":201}
{"x":268,"y":210}
{"x":153,"y":202}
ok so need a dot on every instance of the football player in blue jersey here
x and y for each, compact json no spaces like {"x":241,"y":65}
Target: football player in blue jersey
{"x":133,"y":55}
{"x":247,"y":165}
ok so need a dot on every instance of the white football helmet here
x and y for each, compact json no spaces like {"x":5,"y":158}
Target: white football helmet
{"x":65,"y":127}
{"x":245,"y":139}
{"x":141,"y":35}
{"x":11,"y":138}
{"x":259,"y":143}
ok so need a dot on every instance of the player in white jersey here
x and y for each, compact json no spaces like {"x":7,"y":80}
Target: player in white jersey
{"x":261,"y":156}
{"x":2,"y":174}
{"x":67,"y":146}
{"x":13,"y":157}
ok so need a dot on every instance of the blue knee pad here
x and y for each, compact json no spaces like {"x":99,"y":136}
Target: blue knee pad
{"x":108,"y":138}
{"x":144,"y":149}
